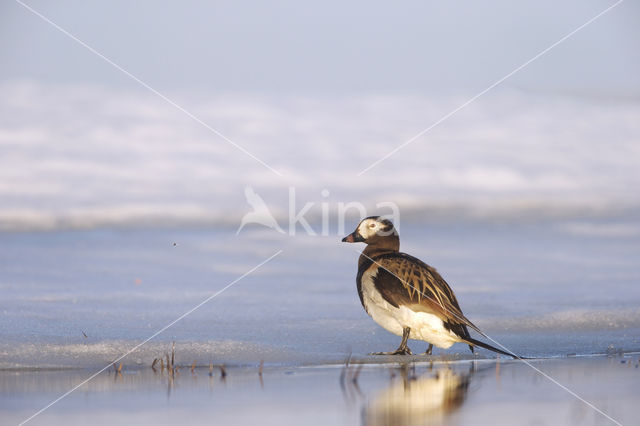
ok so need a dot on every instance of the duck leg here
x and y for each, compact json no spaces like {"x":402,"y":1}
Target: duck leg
{"x":429,"y":350}
{"x":403,"y":349}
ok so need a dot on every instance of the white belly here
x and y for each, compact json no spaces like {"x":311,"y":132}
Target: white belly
{"x":424,"y":326}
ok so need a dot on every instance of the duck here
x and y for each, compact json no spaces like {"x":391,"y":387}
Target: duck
{"x":405,"y":296}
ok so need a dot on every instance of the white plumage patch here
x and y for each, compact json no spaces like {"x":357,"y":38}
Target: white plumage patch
{"x":368,"y":228}
{"x":424,"y":326}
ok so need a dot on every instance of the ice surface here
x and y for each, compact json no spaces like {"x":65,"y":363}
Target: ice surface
{"x":535,"y":288}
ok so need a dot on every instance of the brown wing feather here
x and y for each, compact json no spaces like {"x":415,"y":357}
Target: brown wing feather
{"x":404,"y":279}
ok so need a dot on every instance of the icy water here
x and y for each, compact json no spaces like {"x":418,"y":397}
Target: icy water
{"x":464,"y":393}
{"x":75,"y":301}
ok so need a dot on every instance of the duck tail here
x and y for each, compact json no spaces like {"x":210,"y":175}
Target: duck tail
{"x":473,"y":342}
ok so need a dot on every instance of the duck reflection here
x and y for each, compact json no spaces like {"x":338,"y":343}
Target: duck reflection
{"x":424,"y":400}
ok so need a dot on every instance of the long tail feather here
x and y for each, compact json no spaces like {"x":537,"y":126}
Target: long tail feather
{"x":471,"y":341}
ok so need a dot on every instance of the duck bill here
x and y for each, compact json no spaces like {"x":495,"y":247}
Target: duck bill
{"x":353,"y":237}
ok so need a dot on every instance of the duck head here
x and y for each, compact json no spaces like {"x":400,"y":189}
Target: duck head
{"x":375,"y":231}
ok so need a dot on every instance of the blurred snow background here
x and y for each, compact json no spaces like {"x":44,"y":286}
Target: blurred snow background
{"x":80,"y":157}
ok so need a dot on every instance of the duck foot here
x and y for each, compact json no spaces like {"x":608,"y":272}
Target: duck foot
{"x":403,"y":349}
{"x":399,"y":351}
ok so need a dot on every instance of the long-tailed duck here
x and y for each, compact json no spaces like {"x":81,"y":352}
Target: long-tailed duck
{"x":405,"y":295}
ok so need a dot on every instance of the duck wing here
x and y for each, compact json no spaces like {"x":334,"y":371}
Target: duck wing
{"x":405,"y":280}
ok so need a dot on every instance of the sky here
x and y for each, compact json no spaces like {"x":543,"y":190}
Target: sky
{"x":328,"y":47}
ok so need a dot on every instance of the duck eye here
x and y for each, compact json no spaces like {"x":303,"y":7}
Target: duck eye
{"x":372,"y":225}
